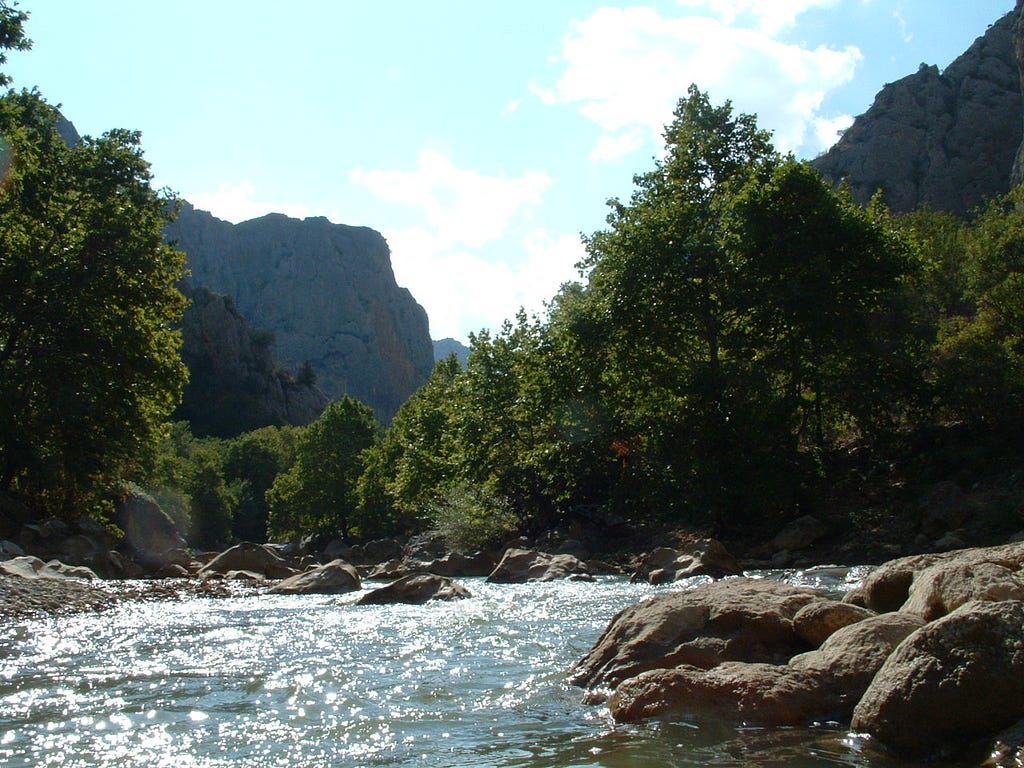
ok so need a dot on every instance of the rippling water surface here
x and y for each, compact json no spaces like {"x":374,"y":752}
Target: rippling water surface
{"x":264,"y":680}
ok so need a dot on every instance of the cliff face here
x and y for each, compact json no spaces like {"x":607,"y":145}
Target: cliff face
{"x":327,"y":293}
{"x":234,"y":383}
{"x":946,"y":140}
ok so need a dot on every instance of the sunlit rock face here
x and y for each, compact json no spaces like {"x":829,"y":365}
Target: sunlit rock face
{"x":328,"y":294}
{"x":942,"y":139}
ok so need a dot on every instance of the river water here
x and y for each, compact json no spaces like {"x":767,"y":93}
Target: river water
{"x":263,"y":680}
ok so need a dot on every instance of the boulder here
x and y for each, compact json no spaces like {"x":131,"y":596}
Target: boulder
{"x":248,"y":556}
{"x":954,"y":681}
{"x":738,"y":619}
{"x":823,"y":684}
{"x":755,"y":693}
{"x":521,"y":565}
{"x":945,"y":586}
{"x":416,"y":588}
{"x":9,"y":549}
{"x":815,"y":622}
{"x":460,"y":564}
{"x":888,"y":587}
{"x":333,"y":578}
{"x":800,"y":534}
{"x":149,"y":533}
{"x":707,"y":557}
{"x":29,"y":567}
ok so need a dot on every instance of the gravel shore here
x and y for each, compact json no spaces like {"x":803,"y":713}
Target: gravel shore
{"x":28,"y":598}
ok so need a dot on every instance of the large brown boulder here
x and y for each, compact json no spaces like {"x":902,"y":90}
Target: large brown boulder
{"x":815,"y":622}
{"x":416,"y":588}
{"x":889,"y":587}
{"x":247,"y":556}
{"x":822,"y":684}
{"x":707,"y":557}
{"x":333,"y":578}
{"x":732,"y":620}
{"x":521,"y":565}
{"x":954,"y":681}
{"x":945,"y":586}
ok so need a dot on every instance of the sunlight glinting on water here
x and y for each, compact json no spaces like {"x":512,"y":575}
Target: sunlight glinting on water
{"x":262,"y":680}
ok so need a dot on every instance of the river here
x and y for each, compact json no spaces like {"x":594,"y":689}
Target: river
{"x":315,"y":681}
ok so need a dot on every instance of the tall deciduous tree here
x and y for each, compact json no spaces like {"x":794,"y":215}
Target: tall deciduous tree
{"x":89,"y":359}
{"x":318,"y":495}
{"x":663,"y":283}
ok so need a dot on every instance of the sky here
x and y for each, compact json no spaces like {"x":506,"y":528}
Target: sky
{"x":482,"y":139}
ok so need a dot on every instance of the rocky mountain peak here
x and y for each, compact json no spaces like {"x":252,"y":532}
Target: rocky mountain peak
{"x":943,"y":139}
{"x":325,"y":291}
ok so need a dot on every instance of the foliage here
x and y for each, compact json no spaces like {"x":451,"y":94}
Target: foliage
{"x":12,"y":34}
{"x":317,"y":496}
{"x":472,"y":517}
{"x":978,"y":363}
{"x":89,"y":364}
{"x":405,"y":471}
{"x":252,"y":462}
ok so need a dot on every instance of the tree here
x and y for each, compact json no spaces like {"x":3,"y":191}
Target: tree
{"x":90,"y":362}
{"x":318,"y":496}
{"x":663,"y":289}
{"x":12,"y":34}
{"x":823,"y":290}
{"x":409,"y":468}
{"x":252,"y":461}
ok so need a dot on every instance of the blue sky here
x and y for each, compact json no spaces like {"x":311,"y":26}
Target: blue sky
{"x":481,"y":138}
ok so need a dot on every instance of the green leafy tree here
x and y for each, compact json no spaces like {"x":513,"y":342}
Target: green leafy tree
{"x":827,"y":306}
{"x":12,"y":34}
{"x":407,"y":470}
{"x":252,"y":461}
{"x":663,"y":289}
{"x":89,"y":359}
{"x":978,"y":367}
{"x":318,"y":495}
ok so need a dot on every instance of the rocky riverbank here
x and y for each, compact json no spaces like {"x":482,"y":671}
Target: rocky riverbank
{"x":927,"y":656}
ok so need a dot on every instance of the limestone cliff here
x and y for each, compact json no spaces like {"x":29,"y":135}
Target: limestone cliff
{"x":234,"y":385}
{"x":327,"y":293}
{"x":942,"y":139}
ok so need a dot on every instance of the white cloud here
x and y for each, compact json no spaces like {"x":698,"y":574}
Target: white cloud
{"x":769,"y":16}
{"x":473,"y":259}
{"x":466,"y":290}
{"x":625,"y":69}
{"x":461,"y":206}
{"x":829,"y":130}
{"x":237,"y":202}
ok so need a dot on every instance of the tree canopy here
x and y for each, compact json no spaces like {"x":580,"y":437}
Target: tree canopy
{"x":90,"y":362}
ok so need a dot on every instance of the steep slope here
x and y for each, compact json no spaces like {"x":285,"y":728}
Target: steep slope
{"x":234,"y":384}
{"x":942,"y":139}
{"x":327,"y":293}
